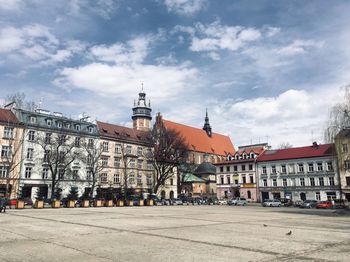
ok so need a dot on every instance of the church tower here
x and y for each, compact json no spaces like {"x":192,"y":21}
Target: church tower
{"x":141,"y":113}
{"x":207,"y":127}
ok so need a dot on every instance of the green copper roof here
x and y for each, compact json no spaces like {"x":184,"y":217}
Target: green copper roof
{"x":188,"y":177}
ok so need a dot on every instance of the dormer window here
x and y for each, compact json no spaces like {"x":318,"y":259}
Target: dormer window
{"x":77,"y":127}
{"x":59,"y":124}
{"x":67,"y":125}
{"x":48,"y":122}
{"x":90,"y":128}
{"x":252,"y":155}
{"x":33,"y":119}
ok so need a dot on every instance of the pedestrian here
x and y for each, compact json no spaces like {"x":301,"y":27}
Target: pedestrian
{"x":2,"y":204}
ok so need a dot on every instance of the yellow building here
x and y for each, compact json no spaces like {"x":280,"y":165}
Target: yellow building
{"x":342,"y":144}
{"x":11,"y":141}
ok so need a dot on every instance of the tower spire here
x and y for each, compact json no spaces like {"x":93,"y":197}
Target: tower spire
{"x":142,"y":112}
{"x":207,"y":127}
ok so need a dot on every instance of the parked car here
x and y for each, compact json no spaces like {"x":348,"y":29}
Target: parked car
{"x":272,"y":203}
{"x":309,"y":204}
{"x":176,"y":202}
{"x":238,"y":201}
{"x":324,"y":204}
{"x":166,"y":202}
{"x":221,"y":202}
{"x":298,"y":203}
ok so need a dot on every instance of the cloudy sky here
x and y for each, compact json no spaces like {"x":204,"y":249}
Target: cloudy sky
{"x":266,"y":70}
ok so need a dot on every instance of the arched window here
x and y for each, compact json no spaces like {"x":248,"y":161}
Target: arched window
{"x":249,"y":194}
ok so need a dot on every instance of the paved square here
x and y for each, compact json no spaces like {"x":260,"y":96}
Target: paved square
{"x":175,"y":233}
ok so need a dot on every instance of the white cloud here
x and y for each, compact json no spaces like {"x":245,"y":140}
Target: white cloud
{"x":298,"y":47}
{"x":10,"y":5}
{"x":185,"y":7}
{"x":103,"y":8}
{"x":295,"y":116}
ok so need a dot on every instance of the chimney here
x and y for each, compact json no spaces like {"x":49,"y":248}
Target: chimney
{"x":315,"y":145}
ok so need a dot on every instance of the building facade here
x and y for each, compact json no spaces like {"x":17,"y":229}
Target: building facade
{"x":53,"y":154}
{"x":11,"y":141}
{"x":342,"y":144}
{"x":301,"y":173}
{"x":236,"y":177}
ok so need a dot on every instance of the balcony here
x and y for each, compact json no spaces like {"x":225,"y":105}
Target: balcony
{"x":248,"y":185}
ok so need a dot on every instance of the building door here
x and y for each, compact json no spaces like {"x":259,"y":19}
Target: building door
{"x":303,"y":196}
{"x":347,"y":196}
{"x":264,"y":195}
{"x":162,"y":194}
{"x":249,"y":194}
{"x":171,"y":194}
{"x":27,"y":192}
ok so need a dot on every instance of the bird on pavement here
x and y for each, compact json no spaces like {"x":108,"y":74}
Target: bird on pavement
{"x":289,"y":233}
{"x":265,"y":225}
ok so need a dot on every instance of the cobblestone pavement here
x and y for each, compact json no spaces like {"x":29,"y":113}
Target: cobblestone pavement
{"x":174,"y":233}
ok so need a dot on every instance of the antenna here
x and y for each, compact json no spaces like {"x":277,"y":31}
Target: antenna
{"x":142,"y":86}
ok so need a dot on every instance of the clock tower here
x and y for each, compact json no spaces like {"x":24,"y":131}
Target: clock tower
{"x":141,"y":113}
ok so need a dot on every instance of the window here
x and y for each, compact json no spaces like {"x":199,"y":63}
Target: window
{"x":331,"y":181}
{"x":48,"y":138}
{"x":149,"y":179}
{"x":243,"y":167}
{"x":47,"y":156}
{"x":321,"y":181}
{"x":68,"y":125}
{"x":171,"y":181}
{"x":116,"y":179}
{"x":329,"y":166}
{"x":264,"y":170}
{"x":128,"y":150}
{"x":132,"y":163}
{"x":6,"y":151}
{"x":30,"y":153}
{"x":319,"y":166}
{"x":139,"y":151}
{"x":117,"y":162}
{"x":235,"y":168}
{"x":347,"y":180}
{"x":345,"y":148}
{"x":118,"y":148}
{"x":300,"y":168}
{"x":61,"y":174}
{"x":91,"y":129}
{"x":61,"y":139}
{"x":244,"y":179}
{"x":61,"y":156}
{"x":228,"y":179}
{"x":236,"y":181}
{"x":221,"y":169}
{"x":75,"y":174}
{"x":31,"y":135}
{"x":274,"y":182}
{"x":77,"y":142}
{"x":222,"y":180}
{"x":103,"y":178}
{"x":250,"y":167}
{"x":89,"y":160}
{"x":139,"y":180}
{"x":88,"y":175}
{"x":28,"y":172}
{"x":273,"y":169}
{"x":265,"y":182}
{"x":3,"y":171}
{"x":59,"y":124}
{"x":284,"y":182}
{"x":317,"y":196}
{"x":32,"y":119}
{"x":104,"y":161}
{"x":48,"y":122}
{"x":251,"y":178}
{"x":139,"y":164}
{"x":347,"y":164}
{"x":8,"y":132}
{"x":302,"y":181}
{"x":310,"y":167}
{"x":283,"y":169}
{"x":312,"y":181}
{"x":228,"y":169}
{"x":149,"y":165}
{"x":132,"y":178}
{"x":45,"y":173}
{"x":77,"y":127}
{"x":105,"y":146}
{"x":90,"y":143}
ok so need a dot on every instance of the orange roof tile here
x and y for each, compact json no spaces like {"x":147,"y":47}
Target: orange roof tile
{"x":7,"y":116}
{"x":198,"y":140}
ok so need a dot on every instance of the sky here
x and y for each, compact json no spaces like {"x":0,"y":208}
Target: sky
{"x":267,"y":71}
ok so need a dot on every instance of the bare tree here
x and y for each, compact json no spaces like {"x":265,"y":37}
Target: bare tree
{"x":339,"y":117}
{"x":91,"y":156}
{"x":59,"y":153}
{"x":170,"y":150}
{"x":20,"y":101}
{"x":284,"y":145}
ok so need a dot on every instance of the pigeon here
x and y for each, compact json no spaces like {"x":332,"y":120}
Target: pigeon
{"x":265,"y":225}
{"x":289,"y":233}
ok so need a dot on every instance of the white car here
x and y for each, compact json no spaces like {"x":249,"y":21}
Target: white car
{"x":238,"y":201}
{"x":272,"y":203}
{"x":222,"y":202}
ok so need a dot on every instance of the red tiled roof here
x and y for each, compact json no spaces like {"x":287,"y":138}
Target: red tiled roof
{"x":198,"y":140}
{"x":257,"y":150}
{"x":122,"y":133}
{"x":297,"y":152}
{"x":7,"y":116}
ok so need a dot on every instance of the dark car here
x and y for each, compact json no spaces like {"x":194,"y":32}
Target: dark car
{"x":309,"y":204}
